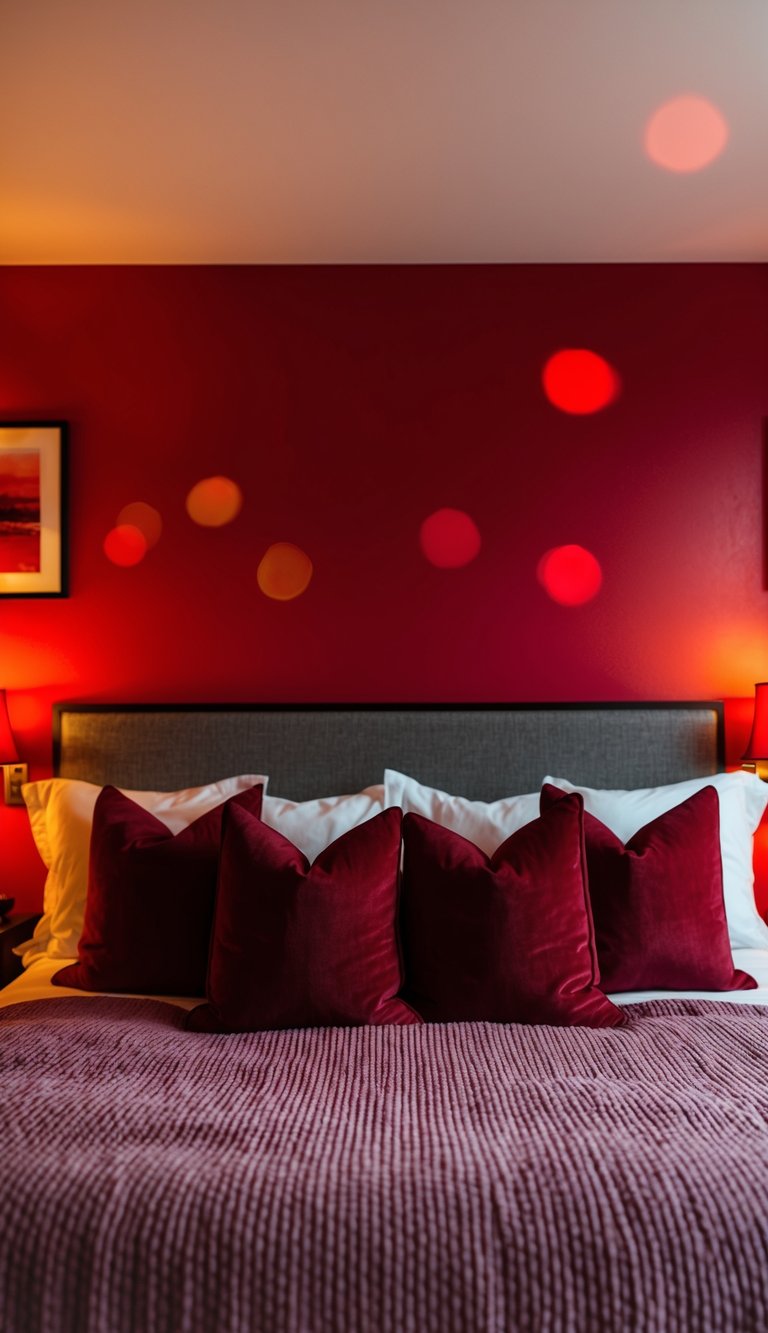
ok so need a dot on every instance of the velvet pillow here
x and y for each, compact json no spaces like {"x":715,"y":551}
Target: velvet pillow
{"x":150,"y":900}
{"x":506,"y":938}
{"x":657,"y":902}
{"x":300,"y":945}
{"x":743,"y":800}
{"x":61,"y":815}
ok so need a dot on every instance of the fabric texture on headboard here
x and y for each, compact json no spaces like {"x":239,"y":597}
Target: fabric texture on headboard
{"x":481,"y":751}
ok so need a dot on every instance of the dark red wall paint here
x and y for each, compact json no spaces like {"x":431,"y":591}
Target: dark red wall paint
{"x":349,"y":404}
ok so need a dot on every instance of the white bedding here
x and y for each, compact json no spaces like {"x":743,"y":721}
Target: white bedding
{"x":35,"y":984}
{"x":753,"y":961}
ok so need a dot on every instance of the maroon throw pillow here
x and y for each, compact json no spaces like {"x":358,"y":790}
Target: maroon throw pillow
{"x":506,"y":938}
{"x":300,"y":945}
{"x":657,"y":902}
{"x":149,"y":910}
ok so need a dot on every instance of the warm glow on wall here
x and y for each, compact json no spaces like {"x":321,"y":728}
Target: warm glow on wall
{"x":214,"y":501}
{"x":32,"y":661}
{"x":145,"y":518}
{"x":449,"y":538}
{"x":29,"y":711}
{"x":579,"y":381}
{"x":735,"y":656}
{"x":685,"y":134}
{"x":570,"y":575}
{"x":284,"y":572}
{"x":125,"y":545}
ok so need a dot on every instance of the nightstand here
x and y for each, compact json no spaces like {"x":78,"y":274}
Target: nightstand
{"x":14,"y":930}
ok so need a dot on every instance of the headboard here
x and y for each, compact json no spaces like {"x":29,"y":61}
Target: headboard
{"x":480,"y":750}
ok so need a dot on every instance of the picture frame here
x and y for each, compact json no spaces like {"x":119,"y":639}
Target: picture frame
{"x":33,"y":509}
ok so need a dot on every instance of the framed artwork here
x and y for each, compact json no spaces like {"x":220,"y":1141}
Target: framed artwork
{"x":33,"y":494}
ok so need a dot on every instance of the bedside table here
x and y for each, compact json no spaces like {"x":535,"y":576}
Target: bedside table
{"x":15,"y":929}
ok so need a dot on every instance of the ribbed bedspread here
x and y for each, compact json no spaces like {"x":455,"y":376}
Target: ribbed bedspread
{"x":439,"y":1179}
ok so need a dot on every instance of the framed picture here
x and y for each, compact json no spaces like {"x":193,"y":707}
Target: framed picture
{"x":33,"y":493}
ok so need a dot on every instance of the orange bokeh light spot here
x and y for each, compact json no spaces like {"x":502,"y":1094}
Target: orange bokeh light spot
{"x":579,"y":381}
{"x":214,"y":501}
{"x":570,"y":575}
{"x":685,"y":134}
{"x":449,"y":538}
{"x":284,"y":572}
{"x":145,"y":518}
{"x":125,"y":545}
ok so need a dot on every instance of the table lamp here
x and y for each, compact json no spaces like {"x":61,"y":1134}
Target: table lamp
{"x":756,"y":754}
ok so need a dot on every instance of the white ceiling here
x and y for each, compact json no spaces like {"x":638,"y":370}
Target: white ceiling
{"x":355,"y":131}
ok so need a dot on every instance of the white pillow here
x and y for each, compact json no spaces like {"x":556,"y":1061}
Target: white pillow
{"x":486,"y":824}
{"x":743,"y":800}
{"x":313,"y":825}
{"x":61,"y":814}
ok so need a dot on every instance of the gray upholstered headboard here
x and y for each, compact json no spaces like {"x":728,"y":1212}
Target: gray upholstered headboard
{"x":482,"y":751}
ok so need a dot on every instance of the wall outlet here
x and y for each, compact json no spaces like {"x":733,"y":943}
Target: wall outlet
{"x":14,"y":776}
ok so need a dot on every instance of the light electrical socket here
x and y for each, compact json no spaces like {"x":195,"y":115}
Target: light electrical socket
{"x":14,"y":776}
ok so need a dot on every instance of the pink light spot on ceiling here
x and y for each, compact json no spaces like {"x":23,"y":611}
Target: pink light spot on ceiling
{"x":214,"y":501}
{"x":284,"y":572}
{"x":685,"y":134}
{"x":145,"y":518}
{"x":571,"y":575}
{"x":579,"y":381}
{"x":125,"y":545}
{"x":449,"y":538}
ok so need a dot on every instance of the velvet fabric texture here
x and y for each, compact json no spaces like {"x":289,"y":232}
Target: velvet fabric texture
{"x":506,"y":938}
{"x":657,"y":902}
{"x":300,"y":945}
{"x":149,"y":911}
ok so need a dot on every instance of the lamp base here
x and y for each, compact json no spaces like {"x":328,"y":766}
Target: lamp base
{"x":758,"y":766}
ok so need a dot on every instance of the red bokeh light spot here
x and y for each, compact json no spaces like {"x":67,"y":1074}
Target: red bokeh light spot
{"x":579,"y":381}
{"x":449,"y":538}
{"x":685,"y":134}
{"x":125,"y":545}
{"x":570,"y":575}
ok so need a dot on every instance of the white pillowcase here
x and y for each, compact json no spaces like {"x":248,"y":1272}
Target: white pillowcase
{"x":61,"y":814}
{"x":743,"y":800}
{"x":486,"y":824}
{"x":314,"y":825}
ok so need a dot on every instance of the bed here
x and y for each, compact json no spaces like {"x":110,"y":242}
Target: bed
{"x":446,"y":1176}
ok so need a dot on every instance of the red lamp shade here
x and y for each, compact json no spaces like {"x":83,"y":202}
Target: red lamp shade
{"x":8,"y":752}
{"x":757,"y":747}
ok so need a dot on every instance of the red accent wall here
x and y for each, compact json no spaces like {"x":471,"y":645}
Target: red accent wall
{"x":350,"y":403}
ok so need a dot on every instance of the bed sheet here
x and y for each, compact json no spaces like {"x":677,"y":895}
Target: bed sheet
{"x":35,"y":984}
{"x":752,"y":961}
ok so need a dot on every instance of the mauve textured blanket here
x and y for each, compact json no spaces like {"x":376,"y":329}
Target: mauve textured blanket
{"x":436,"y":1179}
